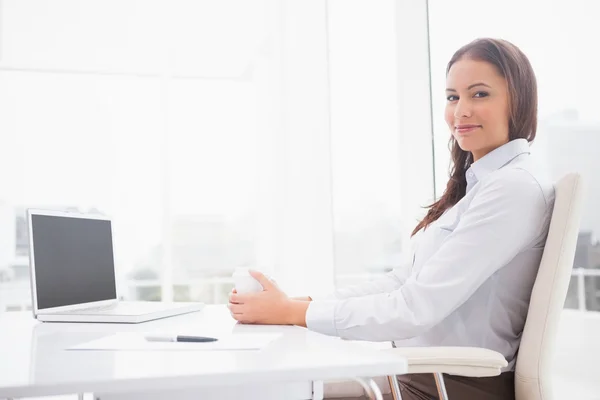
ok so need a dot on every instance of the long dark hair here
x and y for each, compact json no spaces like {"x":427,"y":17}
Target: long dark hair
{"x":514,"y":66}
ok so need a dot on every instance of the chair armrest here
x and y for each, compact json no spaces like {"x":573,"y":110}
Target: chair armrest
{"x":463,"y":361}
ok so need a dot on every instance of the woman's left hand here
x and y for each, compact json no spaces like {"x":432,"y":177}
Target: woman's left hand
{"x":269,"y":307}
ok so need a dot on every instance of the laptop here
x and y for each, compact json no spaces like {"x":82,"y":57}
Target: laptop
{"x":73,"y":276}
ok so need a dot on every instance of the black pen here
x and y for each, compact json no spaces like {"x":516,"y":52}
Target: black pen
{"x":179,"y":338}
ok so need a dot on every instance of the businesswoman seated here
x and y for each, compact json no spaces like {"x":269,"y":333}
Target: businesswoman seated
{"x":477,"y":250}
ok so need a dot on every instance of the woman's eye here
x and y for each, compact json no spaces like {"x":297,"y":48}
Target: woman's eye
{"x":452,"y":97}
{"x":481,"y":94}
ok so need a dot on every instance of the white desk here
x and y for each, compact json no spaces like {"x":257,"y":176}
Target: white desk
{"x":34,"y":362}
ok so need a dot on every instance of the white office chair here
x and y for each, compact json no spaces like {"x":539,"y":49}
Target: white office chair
{"x":532,"y":375}
{"x":533,"y":368}
{"x":532,"y":372}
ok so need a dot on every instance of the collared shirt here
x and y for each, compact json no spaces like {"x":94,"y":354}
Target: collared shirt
{"x":471,"y":273}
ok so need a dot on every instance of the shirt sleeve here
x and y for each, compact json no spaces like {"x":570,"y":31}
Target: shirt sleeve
{"x":504,"y":217}
{"x":383,"y":284}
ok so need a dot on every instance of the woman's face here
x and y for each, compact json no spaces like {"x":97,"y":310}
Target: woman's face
{"x":477,"y":106}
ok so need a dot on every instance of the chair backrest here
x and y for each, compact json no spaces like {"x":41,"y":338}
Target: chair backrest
{"x":533,"y":367}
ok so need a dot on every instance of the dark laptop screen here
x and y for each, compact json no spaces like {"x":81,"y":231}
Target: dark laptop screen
{"x":73,"y":260}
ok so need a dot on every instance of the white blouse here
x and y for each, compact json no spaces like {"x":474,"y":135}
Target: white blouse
{"x":472,"y":270}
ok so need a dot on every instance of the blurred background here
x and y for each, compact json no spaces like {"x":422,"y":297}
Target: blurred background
{"x":298,"y":138}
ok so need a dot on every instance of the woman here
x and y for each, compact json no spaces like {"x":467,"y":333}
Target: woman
{"x":477,"y":249}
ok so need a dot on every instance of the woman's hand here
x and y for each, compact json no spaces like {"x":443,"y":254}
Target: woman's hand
{"x":269,"y":307}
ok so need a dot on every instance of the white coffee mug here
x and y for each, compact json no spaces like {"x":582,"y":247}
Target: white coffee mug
{"x":244,"y":282}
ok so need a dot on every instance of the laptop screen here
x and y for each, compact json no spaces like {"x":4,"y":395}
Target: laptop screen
{"x":74,"y":261}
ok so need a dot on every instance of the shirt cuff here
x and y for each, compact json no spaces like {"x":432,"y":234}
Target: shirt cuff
{"x":320,"y":317}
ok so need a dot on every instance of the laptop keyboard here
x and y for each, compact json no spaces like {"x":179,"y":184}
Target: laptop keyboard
{"x":125,"y":308}
{"x":93,"y":310}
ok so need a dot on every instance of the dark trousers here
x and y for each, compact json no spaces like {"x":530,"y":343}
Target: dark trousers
{"x":422,"y":387}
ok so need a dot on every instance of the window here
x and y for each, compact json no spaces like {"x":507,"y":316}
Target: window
{"x":380,"y":133}
{"x":266,"y":134}
{"x":146,"y":114}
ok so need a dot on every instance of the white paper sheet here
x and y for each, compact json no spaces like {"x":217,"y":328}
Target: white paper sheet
{"x":136,"y":342}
